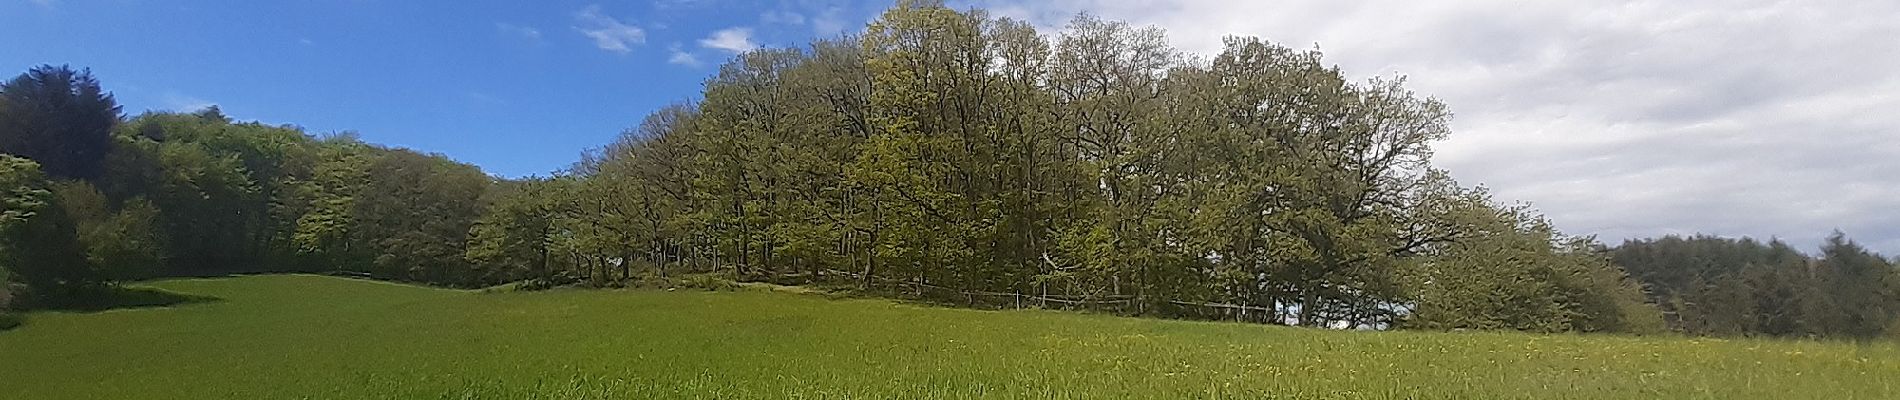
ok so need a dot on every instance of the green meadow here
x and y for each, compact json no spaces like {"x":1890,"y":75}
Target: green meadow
{"x":315,"y":337}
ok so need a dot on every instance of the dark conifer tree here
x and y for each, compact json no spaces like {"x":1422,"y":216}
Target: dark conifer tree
{"x":60,"y":118}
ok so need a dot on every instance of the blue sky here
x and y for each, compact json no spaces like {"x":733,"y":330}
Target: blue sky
{"x":516,"y":87}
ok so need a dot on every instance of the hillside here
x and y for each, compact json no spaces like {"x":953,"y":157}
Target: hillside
{"x":300,"y":336}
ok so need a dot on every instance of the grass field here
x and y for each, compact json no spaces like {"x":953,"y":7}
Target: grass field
{"x":292,"y":337}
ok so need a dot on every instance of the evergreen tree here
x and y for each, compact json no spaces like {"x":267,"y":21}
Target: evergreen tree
{"x":60,"y":118}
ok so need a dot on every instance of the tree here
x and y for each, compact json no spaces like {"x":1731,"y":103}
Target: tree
{"x":1508,"y":268}
{"x":511,"y":240}
{"x":23,"y":197}
{"x":950,"y":155}
{"x":323,"y":237}
{"x":210,"y":204}
{"x":1859,"y":283}
{"x":1742,"y":287}
{"x":120,"y":242}
{"x":37,"y":243}
{"x":414,"y":215}
{"x":60,"y":118}
{"x":7,"y":291}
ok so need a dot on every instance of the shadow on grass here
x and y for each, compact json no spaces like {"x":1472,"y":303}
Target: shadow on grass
{"x":117,"y":298}
{"x":127,"y":298}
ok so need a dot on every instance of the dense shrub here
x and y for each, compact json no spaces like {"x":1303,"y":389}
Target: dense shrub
{"x":9,"y":320}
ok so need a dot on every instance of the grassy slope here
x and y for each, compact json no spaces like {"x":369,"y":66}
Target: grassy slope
{"x":320,"y":337}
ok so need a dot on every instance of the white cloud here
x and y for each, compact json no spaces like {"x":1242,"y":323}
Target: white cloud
{"x":525,"y":32}
{"x":1624,"y":118}
{"x":681,"y":57}
{"x":608,"y":33}
{"x":182,"y":103}
{"x":829,"y":22}
{"x":825,"y":19}
{"x":736,"y":40}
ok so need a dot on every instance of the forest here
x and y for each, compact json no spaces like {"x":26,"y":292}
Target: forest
{"x":944,"y":156}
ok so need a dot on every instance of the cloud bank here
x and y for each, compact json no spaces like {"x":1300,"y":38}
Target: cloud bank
{"x":607,"y":32}
{"x":1618,"y":118}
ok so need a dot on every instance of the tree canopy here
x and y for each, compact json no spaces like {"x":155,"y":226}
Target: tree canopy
{"x":59,"y":117}
{"x":1718,"y":286}
{"x":961,"y":157}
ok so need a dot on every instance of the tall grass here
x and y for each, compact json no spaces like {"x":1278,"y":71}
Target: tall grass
{"x":331,"y":338}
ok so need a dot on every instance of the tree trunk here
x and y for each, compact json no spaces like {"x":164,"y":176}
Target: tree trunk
{"x":1307,"y":298}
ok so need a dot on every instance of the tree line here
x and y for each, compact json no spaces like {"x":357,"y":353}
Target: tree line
{"x":941,"y":155}
{"x":92,"y":198}
{"x":1727,"y":287}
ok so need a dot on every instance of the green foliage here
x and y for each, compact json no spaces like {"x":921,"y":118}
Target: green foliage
{"x":704,"y":281}
{"x":66,"y":241}
{"x":414,"y":218}
{"x":511,"y":239}
{"x":337,"y":338}
{"x":1860,"y":286}
{"x":1507,"y":268}
{"x":23,"y":195}
{"x":8,"y":289}
{"x":322,"y":237}
{"x":1729,"y":287}
{"x":127,"y":245}
{"x":944,"y":153}
{"x":213,"y":209}
{"x":119,"y":245}
{"x":58,"y":117}
{"x":1504,"y":275}
{"x":23,"y":191}
{"x":37,"y":240}
{"x":226,"y":197}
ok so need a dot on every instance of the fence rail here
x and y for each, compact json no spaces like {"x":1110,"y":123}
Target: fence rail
{"x":1116,"y":303}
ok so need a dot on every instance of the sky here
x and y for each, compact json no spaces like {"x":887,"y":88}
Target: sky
{"x":1615,"y":118}
{"x":518,"y":88}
